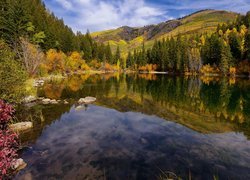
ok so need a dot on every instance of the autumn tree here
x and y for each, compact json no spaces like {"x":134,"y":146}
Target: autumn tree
{"x":32,"y":56}
{"x":55,"y":61}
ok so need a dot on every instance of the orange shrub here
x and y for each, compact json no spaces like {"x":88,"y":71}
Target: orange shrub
{"x":85,"y":67}
{"x":108,"y":67}
{"x":232,"y":70}
{"x":95,"y":64}
{"x":55,"y":61}
{"x":148,"y":67}
{"x":208,"y":69}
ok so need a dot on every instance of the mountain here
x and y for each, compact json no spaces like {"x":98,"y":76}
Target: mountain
{"x":128,"y":38}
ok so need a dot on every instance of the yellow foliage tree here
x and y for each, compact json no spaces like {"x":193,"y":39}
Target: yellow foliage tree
{"x":55,"y":61}
{"x":74,"y":62}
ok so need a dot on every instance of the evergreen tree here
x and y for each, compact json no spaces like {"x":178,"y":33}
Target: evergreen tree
{"x":129,"y":61}
{"x":234,"y":42}
{"x":117,"y":54}
{"x":226,"y":57}
{"x":108,"y":54}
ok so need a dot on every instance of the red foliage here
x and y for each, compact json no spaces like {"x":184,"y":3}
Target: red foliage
{"x":6,"y":112}
{"x":8,"y":151}
{"x":8,"y":140}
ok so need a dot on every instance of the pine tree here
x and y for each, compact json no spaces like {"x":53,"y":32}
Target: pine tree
{"x":108,"y":54}
{"x":129,"y":59}
{"x":226,"y":57}
{"x":117,"y":54}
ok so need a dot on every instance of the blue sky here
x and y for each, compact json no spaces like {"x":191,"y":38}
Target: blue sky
{"x":97,"y":15}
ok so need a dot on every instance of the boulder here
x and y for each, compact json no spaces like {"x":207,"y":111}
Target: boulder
{"x":80,"y":107}
{"x":87,"y":100}
{"x":53,"y":101}
{"x":18,"y":164}
{"x":22,"y":126}
{"x":29,"y":99}
{"x":46,"y":101}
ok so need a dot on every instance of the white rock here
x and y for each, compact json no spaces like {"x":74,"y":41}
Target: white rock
{"x":53,"y":101}
{"x":87,"y":100}
{"x":46,"y":100}
{"x":29,"y":99}
{"x":22,"y":126}
{"x":79,"y":108}
{"x":18,"y":164}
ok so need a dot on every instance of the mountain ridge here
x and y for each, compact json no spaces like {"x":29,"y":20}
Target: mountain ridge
{"x":203,"y":21}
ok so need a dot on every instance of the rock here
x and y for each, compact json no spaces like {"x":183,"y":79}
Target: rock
{"x":22,"y":126}
{"x":65,"y":102}
{"x":80,"y":107}
{"x":87,"y":100}
{"x":27,"y":176}
{"x":46,"y":100}
{"x":53,"y":101}
{"x":18,"y":164}
{"x":29,"y":99}
{"x":38,"y":83}
{"x":50,"y":101}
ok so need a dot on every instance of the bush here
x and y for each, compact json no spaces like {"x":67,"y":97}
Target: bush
{"x":12,"y":75}
{"x":208,"y":69}
{"x":8,"y":141}
{"x":95,"y":64}
{"x":148,"y":67}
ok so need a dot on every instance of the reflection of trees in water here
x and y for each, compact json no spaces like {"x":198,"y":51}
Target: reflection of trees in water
{"x":220,"y":99}
{"x":41,"y":116}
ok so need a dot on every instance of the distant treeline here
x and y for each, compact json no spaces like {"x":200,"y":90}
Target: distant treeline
{"x":225,"y":51}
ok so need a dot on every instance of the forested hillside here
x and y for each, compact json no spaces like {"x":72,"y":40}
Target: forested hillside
{"x":129,"y":38}
{"x":35,"y":43}
{"x":226,"y":51}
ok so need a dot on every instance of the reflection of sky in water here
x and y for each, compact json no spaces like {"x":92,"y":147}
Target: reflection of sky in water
{"x":102,"y":142}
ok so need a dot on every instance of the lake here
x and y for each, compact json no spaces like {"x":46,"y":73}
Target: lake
{"x":142,"y":126}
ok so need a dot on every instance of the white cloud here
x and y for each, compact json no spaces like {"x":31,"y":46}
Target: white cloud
{"x":241,"y":6}
{"x":98,"y":15}
{"x":65,"y":3}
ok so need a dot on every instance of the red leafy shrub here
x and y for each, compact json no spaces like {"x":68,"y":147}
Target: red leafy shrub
{"x":8,"y":151}
{"x":8,"y":141}
{"x":6,"y":113}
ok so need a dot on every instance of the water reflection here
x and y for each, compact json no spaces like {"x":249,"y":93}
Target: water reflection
{"x":125,"y":135}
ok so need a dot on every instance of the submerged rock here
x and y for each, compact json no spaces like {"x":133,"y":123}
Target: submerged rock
{"x":22,"y":126}
{"x":87,"y":100}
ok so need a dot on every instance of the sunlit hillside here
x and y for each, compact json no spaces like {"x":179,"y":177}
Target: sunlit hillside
{"x":129,"y":38}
